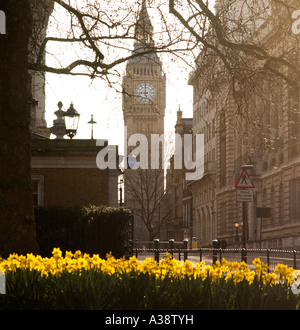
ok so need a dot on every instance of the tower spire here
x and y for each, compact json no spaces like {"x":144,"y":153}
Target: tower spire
{"x":219,"y":5}
{"x":144,"y":27}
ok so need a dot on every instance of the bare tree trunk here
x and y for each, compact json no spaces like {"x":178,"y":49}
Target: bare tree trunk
{"x":17,"y":226}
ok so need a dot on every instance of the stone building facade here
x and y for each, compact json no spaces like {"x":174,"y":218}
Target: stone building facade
{"x":179,"y":226}
{"x":65,"y":173}
{"x":270,"y":142}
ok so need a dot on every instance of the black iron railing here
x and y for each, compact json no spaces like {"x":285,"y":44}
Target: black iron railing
{"x":179,"y":250}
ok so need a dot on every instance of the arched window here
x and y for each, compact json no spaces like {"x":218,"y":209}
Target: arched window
{"x":203,"y":225}
{"x":295,"y":197}
{"x":281,"y":204}
{"x":222,"y":149}
{"x":209,"y":225}
{"x":273,"y":206}
{"x":264,"y":204}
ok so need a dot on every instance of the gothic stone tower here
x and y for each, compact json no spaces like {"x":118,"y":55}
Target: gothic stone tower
{"x":144,"y":102}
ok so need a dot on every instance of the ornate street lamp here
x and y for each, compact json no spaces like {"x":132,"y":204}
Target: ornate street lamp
{"x":121,"y":183}
{"x":72,"y":121}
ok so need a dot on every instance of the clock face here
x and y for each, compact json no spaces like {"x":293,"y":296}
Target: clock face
{"x":145,"y":93}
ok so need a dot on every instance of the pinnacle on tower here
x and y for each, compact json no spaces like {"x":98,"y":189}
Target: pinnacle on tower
{"x":144,"y":27}
{"x":218,"y":6}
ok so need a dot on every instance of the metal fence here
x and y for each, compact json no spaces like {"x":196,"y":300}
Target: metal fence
{"x":179,"y":250}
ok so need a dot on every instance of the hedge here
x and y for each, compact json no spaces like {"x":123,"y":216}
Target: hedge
{"x":93,"y":229}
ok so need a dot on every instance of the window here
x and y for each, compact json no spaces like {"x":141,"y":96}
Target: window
{"x":187,"y":214}
{"x":223,"y":147}
{"x":223,"y":160}
{"x":295,"y":196}
{"x":281,"y":204}
{"x":176,"y":202}
{"x":38,"y":190}
{"x":273,"y":206}
{"x":223,"y":212}
{"x":293,"y":97}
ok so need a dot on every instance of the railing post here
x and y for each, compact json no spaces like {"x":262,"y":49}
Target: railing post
{"x":185,"y":247}
{"x":295,"y":259}
{"x":132,"y":247}
{"x":244,"y":255}
{"x":268,"y":259}
{"x":171,"y":246}
{"x":216,"y":246}
{"x":136,"y":248}
{"x":156,"y":250}
{"x":200,"y":252}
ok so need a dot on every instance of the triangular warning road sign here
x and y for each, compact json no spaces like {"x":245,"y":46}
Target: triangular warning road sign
{"x":244,"y":181}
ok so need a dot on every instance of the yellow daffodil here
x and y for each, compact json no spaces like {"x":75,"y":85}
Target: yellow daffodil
{"x":168,"y":266}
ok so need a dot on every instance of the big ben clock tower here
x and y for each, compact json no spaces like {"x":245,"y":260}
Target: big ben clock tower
{"x":144,"y":100}
{"x":144,"y":84}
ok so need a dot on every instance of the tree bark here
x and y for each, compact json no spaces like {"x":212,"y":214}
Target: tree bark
{"x":17,"y":225}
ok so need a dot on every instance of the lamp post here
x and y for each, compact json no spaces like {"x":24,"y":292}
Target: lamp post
{"x":159,"y":200}
{"x":72,"y":121}
{"x":121,"y":183}
{"x":237,"y":241}
{"x":92,"y":122}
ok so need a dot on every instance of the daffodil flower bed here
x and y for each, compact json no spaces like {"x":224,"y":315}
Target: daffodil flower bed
{"x":81,"y":281}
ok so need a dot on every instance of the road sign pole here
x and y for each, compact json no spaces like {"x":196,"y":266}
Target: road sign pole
{"x":244,"y":182}
{"x":244,"y":252}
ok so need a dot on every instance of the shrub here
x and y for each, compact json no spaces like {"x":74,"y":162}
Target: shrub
{"x":94,"y":229}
